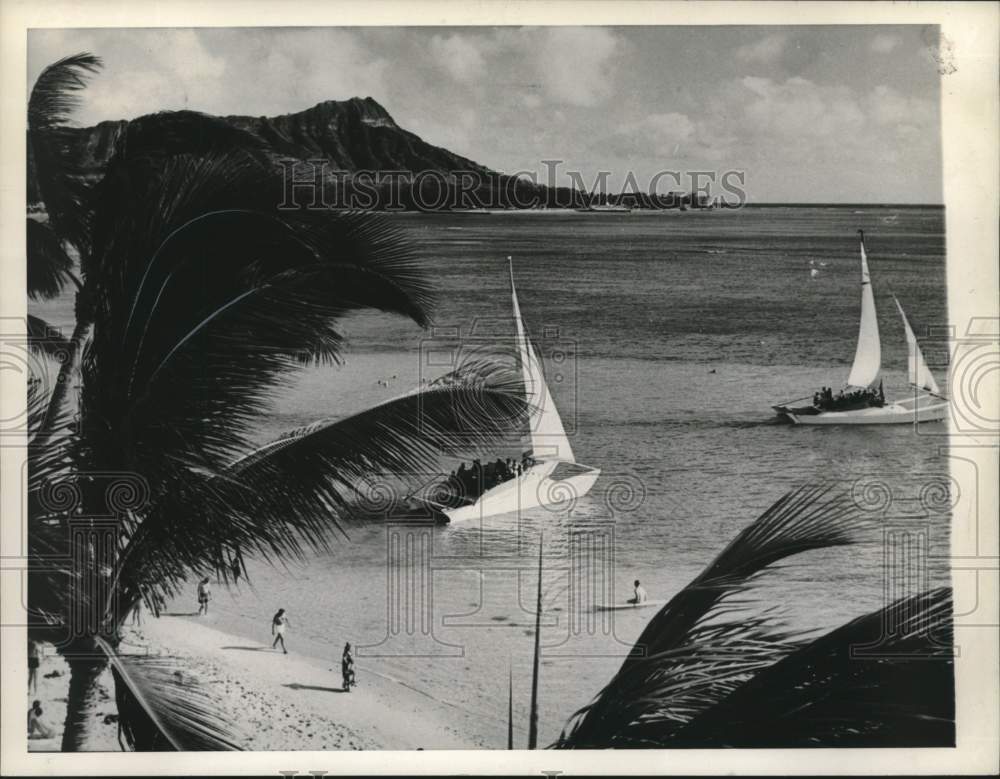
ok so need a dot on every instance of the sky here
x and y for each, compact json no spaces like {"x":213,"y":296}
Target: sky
{"x":808,"y":114}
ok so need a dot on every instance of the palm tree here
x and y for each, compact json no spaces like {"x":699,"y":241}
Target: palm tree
{"x":56,"y":181}
{"x":202,"y":298}
{"x":707,"y":673}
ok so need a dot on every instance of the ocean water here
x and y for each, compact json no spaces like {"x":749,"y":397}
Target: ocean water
{"x":665,"y":338}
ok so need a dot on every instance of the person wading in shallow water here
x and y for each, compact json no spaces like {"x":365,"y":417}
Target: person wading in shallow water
{"x":640,"y":594}
{"x":278,"y":625}
{"x":204,"y":596}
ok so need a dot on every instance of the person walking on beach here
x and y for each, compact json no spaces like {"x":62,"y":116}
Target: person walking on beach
{"x":204,"y":596}
{"x":639,"y":594}
{"x":34,"y":661}
{"x":278,"y":624}
{"x":347,"y":668}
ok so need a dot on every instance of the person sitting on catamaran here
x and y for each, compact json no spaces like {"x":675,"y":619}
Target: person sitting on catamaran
{"x":499,"y":472}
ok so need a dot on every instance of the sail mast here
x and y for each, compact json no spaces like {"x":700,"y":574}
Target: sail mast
{"x":868,"y":355}
{"x":919,"y":374}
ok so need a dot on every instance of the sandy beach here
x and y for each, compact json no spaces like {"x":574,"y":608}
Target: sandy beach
{"x":280,"y":702}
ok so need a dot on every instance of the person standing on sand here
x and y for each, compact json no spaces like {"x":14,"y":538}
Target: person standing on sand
{"x":34,"y":661}
{"x":278,"y":624}
{"x":347,"y":668}
{"x":204,"y":596}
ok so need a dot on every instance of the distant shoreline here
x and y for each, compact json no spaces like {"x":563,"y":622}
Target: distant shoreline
{"x":689,"y":210}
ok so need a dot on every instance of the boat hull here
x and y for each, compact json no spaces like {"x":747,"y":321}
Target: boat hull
{"x":925,"y":408}
{"x":535,"y":487}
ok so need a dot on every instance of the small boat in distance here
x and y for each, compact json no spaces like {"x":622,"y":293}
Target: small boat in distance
{"x":859,"y":403}
{"x":553,"y":475}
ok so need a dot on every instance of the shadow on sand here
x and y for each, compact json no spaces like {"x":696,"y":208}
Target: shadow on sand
{"x":297,"y":686}
{"x":251,"y":648}
{"x":178,"y":613}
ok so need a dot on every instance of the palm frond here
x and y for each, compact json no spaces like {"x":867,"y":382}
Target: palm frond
{"x":50,"y":568}
{"x":160,"y":708}
{"x":170,"y":133}
{"x":53,"y":164}
{"x":55,"y":95}
{"x":48,"y":264}
{"x":883,"y":680}
{"x":295,"y":493}
{"x":201,"y":281}
{"x":692,"y":654}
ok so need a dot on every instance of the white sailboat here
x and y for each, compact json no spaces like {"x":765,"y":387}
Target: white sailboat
{"x":859,"y":404}
{"x":554,"y":475}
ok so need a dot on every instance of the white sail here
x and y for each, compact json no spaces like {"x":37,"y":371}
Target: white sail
{"x":545,"y":427}
{"x":868,"y":356}
{"x":920,"y":374}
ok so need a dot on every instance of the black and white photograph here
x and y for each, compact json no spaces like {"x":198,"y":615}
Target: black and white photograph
{"x":429,"y":386}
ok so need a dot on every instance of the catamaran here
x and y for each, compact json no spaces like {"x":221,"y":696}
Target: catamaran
{"x":553,"y":475}
{"x":859,"y":403}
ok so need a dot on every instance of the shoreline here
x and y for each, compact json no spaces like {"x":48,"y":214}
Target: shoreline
{"x":274,"y":701}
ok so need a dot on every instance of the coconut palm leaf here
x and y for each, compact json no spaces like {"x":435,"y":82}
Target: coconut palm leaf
{"x":169,"y":133}
{"x":52,"y":157}
{"x":162,"y":707}
{"x":55,"y":95}
{"x":48,"y":537}
{"x":201,"y":282}
{"x":294,"y":493}
{"x":883,"y":680}
{"x":141,"y":149}
{"x":693,"y":653}
{"x":49,"y":267}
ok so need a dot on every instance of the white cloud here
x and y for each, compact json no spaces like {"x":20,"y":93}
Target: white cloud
{"x":453,"y":132}
{"x":798,"y":108}
{"x":766,"y":50}
{"x":459,"y":55}
{"x":663,"y":134}
{"x":888,"y":107}
{"x":884,"y":44}
{"x":576,"y":65}
{"x":222,"y":71}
